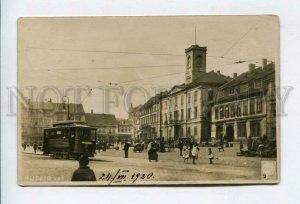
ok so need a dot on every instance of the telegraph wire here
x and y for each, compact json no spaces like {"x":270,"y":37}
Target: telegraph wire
{"x":239,"y":40}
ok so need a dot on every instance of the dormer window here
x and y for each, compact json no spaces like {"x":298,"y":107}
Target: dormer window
{"x":231,"y":91}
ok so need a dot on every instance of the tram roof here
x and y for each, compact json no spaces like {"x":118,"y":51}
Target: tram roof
{"x":69,"y":123}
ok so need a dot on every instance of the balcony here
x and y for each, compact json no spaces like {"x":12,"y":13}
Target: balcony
{"x":173,"y":122}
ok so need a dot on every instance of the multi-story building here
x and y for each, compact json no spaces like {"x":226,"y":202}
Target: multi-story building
{"x":106,"y":124}
{"x":125,"y":129}
{"x":184,"y":111}
{"x":36,"y":116}
{"x":134,"y":118}
{"x":246,"y":105}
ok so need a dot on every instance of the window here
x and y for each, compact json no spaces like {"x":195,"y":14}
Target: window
{"x":189,"y":113}
{"x":60,"y":118}
{"x":242,"y":132}
{"x":273,"y":109}
{"x":231,"y":91}
{"x":189,"y":98}
{"x":221,"y":112}
{"x":166,"y":105}
{"x":245,"y":107}
{"x":176,"y":115}
{"x":216,"y":113}
{"x":244,"y":88}
{"x":170,"y":116}
{"x":252,"y":106}
{"x":258,"y":105}
{"x":196,"y":111}
{"x":181,"y":100}
{"x":232,"y":110}
{"x":188,"y":132}
{"x":182,"y":116}
{"x":258,"y":84}
{"x":210,"y":95}
{"x":238,"y":109}
{"x":176,"y":102}
{"x":226,"y":111}
{"x":166,"y":117}
{"x":195,"y":96}
{"x":195,"y":131}
{"x":255,"y":129}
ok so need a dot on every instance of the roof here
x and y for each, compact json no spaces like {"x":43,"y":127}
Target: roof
{"x":56,"y":107}
{"x":135,"y":109}
{"x":212,"y":78}
{"x":258,"y":73}
{"x":154,"y":100}
{"x":100,"y":120}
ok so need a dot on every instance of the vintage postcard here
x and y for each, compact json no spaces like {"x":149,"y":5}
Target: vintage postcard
{"x":165,"y":100}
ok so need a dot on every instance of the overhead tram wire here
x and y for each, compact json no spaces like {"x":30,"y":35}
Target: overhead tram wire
{"x":120,"y":52}
{"x":239,"y":40}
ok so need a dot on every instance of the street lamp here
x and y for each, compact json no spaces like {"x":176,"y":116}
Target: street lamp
{"x":68,"y":105}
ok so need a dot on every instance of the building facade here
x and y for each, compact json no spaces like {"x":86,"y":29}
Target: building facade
{"x":125,"y":129}
{"x":184,"y":111}
{"x":246,"y":105}
{"x":36,"y":116}
{"x":106,"y":124}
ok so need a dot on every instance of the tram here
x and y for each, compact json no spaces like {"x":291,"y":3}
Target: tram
{"x":69,"y":139}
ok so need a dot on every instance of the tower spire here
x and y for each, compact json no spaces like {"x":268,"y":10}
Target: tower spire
{"x":195,"y":35}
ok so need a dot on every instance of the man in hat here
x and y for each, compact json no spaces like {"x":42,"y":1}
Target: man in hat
{"x":83,"y":173}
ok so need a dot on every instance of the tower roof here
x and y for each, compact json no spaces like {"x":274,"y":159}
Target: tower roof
{"x":195,"y":47}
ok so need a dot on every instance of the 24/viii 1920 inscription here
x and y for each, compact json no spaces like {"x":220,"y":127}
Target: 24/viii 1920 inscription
{"x":122,"y":176}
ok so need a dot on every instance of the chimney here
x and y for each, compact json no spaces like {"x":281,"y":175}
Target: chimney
{"x":92,"y":111}
{"x":251,"y":67}
{"x":234,"y":75}
{"x":264,"y":63}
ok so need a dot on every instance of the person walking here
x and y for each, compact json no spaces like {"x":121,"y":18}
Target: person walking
{"x":210,"y":156}
{"x":126,"y":148}
{"x":83,"y":173}
{"x":180,"y":146}
{"x":186,"y":154}
{"x":35,"y":147}
{"x":195,"y":151}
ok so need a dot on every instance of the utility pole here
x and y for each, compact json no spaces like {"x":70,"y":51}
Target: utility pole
{"x":160,"y":124}
{"x":68,"y":106}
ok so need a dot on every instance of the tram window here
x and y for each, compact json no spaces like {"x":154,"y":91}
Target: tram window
{"x":93,"y":135}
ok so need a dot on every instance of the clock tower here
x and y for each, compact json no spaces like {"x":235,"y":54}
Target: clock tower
{"x":195,"y":63}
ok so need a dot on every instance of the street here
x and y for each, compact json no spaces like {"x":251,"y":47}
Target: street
{"x":111,"y":167}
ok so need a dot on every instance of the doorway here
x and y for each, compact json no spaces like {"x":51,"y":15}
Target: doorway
{"x":229,"y":133}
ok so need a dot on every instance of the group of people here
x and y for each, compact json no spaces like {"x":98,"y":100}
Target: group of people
{"x":34,"y":146}
{"x":190,"y":150}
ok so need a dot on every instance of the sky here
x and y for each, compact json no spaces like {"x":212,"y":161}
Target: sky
{"x":131,"y":58}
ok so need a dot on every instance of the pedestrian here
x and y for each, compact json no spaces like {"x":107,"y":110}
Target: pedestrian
{"x":241,"y":146}
{"x":186,"y":154}
{"x":35,"y":147}
{"x":195,"y":151}
{"x":180,"y":146}
{"x":221,"y":144}
{"x":249,"y":143}
{"x":104,"y":146}
{"x":210,"y":156}
{"x":152,"y":153}
{"x":24,"y":146}
{"x":126,"y":148}
{"x":83,"y":173}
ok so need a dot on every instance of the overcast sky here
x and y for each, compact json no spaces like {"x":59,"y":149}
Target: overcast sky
{"x":126,"y":52}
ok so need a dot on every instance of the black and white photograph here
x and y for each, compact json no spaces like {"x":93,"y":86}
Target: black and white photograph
{"x":144,"y":100}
